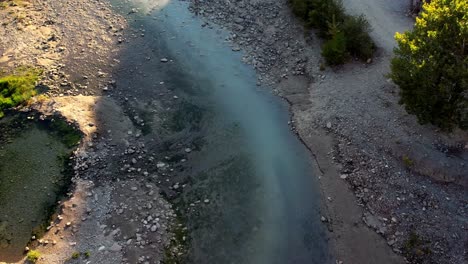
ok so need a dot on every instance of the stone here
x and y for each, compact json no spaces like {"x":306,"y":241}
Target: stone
{"x":164,"y":60}
{"x":115,"y":247}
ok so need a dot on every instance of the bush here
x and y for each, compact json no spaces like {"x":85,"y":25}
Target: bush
{"x":33,"y":256}
{"x":328,"y":15}
{"x":358,"y":41}
{"x":17,"y":88}
{"x":431,"y":65}
{"x":334,"y":50}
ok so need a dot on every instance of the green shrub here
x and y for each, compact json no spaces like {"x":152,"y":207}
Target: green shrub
{"x":431,"y":65}
{"x":33,"y":256}
{"x":325,"y":12}
{"x":318,"y":13}
{"x":334,"y":50}
{"x":301,"y":8}
{"x":17,"y":88}
{"x":328,"y":17}
{"x":358,"y":41}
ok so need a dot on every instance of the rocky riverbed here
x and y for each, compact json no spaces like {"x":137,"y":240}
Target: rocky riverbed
{"x":410,"y":180}
{"x":380,"y":172}
{"x":76,"y":43}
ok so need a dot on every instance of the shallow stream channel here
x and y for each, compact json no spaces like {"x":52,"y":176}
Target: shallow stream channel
{"x":241,"y":180}
{"x":35,"y":173}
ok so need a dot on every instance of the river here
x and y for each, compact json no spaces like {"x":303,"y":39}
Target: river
{"x":251,"y":195}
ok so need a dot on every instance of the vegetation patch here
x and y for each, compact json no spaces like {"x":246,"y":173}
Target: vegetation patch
{"x":176,"y":251}
{"x":407,"y":161}
{"x":17,"y":88}
{"x":7,"y":3}
{"x":68,"y":135}
{"x":431,"y":65}
{"x":33,"y":256}
{"x":345,"y":35}
{"x":415,"y":248}
{"x":75,"y":255}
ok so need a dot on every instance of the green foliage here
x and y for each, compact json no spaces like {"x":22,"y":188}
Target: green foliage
{"x":75,"y":255}
{"x":431,"y":65}
{"x":358,"y":41}
{"x":334,"y":50}
{"x":87,"y":254}
{"x":33,"y":256}
{"x":17,"y":88}
{"x":329,"y":18}
{"x":67,"y":133}
{"x":407,"y":161}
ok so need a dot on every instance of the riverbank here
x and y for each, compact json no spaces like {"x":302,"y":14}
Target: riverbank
{"x":408,"y":180}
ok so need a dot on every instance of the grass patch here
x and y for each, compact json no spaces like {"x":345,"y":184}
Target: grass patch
{"x":407,"y":161}
{"x":17,"y":88}
{"x":75,"y":255}
{"x":33,"y":256}
{"x":345,"y":35}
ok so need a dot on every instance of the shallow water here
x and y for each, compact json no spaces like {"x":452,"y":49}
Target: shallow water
{"x":31,"y":177}
{"x":262,"y":196}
